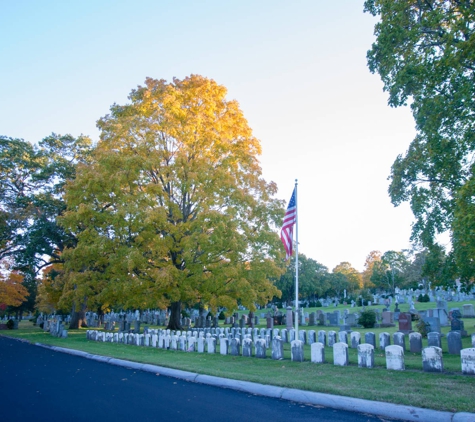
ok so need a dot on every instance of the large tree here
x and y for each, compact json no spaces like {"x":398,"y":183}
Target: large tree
{"x":425,"y":55}
{"x":32,"y":179}
{"x":312,"y":279}
{"x":355,"y":281}
{"x":173,"y":208}
{"x":389,"y":272}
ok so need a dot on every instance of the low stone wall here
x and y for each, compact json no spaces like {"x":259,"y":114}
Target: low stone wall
{"x":260,"y":346}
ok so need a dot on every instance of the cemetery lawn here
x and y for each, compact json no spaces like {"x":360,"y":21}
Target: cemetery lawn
{"x":448,"y":391}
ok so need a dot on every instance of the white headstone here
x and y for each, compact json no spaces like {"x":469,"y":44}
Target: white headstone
{"x":317,"y":352}
{"x":365,"y":355}
{"x":432,"y":359}
{"x":340,"y":354}
{"x":394,"y":358}
{"x":468,"y":361}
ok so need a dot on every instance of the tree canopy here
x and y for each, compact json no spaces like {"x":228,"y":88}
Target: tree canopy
{"x":312,"y":279}
{"x":172,"y":207}
{"x":425,"y":55}
{"x":32,"y":179}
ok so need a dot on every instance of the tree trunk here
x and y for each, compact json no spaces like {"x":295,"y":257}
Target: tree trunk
{"x":175,"y":314}
{"x":78,"y":318}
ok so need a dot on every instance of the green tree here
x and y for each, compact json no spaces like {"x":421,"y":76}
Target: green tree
{"x":390,"y":270}
{"x":425,"y":54}
{"x":312,"y":279}
{"x":173,"y":208}
{"x":32,"y":182}
{"x":355,"y":281}
{"x":338,"y":282}
{"x":371,"y":259}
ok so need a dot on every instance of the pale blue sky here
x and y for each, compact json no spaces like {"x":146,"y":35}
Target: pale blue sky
{"x":298,"y":70}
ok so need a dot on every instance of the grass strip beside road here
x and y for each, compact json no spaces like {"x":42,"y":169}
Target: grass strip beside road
{"x":448,"y":391}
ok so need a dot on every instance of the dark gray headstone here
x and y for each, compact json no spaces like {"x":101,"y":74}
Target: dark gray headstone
{"x":433,"y":339}
{"x":454,"y":341}
{"x":415,"y":343}
{"x":370,"y":338}
{"x":399,"y":339}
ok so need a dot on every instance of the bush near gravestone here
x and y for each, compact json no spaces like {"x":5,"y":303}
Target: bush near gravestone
{"x":221,"y":315}
{"x":423,"y":298}
{"x":318,"y":304}
{"x":422,"y":328}
{"x":10,"y":324}
{"x":367,"y":319}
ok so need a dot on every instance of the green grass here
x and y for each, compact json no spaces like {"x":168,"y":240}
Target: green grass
{"x":447,"y":391}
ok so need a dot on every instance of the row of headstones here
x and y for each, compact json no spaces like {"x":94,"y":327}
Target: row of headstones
{"x":56,"y":328}
{"x":454,"y":338}
{"x":431,"y":356}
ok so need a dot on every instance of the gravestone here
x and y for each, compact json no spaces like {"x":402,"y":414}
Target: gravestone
{"x":355,"y":339}
{"x":210,"y":344}
{"x":289,"y":318}
{"x":322,"y":337}
{"x":317,"y":352}
{"x":388,"y":319}
{"x":247,"y":347}
{"x":343,"y":337}
{"x":399,"y":339}
{"x":277,"y":348}
{"x":433,"y":339}
{"x":454,"y":342}
{"x":370,"y":338}
{"x":434,"y":324}
{"x":405,"y":322}
{"x":468,"y":311}
{"x":340,"y":354}
{"x":384,"y":340}
{"x":457,"y":324}
{"x":261,"y":350}
{"x":351,"y":320}
{"x":365,"y":355}
{"x":331,"y":338}
{"x":235,"y":347}
{"x":296,"y":351}
{"x":223,"y":345}
{"x":415,"y":342}
{"x":333,"y":319}
{"x":394,"y":358}
{"x":432,"y":359}
{"x":311,"y":337}
{"x":468,"y":361}
{"x":284,"y":335}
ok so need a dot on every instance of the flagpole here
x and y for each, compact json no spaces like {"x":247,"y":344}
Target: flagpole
{"x":296,"y":264}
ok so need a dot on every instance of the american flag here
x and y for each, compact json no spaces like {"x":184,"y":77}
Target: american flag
{"x":287,"y":231}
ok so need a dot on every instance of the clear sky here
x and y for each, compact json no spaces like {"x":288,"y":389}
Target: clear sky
{"x":297,"y":68}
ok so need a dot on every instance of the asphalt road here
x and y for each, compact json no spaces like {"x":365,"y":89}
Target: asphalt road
{"x":39,"y":384}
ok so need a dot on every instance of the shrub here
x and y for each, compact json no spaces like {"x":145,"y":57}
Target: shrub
{"x":222,"y":316}
{"x":423,"y":298}
{"x":367,"y":319}
{"x":10,"y":324}
{"x":318,"y":304}
{"x":422,"y":328}
{"x":361,"y":302}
